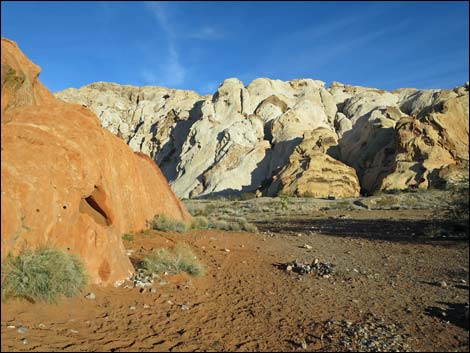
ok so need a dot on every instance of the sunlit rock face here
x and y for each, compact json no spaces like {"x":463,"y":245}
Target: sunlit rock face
{"x":240,"y":138}
{"x":66,"y":181}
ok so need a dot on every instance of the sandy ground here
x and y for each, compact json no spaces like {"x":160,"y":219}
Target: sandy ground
{"x":384,"y":272}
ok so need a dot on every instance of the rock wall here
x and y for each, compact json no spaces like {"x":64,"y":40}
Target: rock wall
{"x":66,"y":181}
{"x":240,"y":138}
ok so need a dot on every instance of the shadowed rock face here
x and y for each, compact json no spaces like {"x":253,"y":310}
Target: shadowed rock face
{"x":240,"y":138}
{"x":67,"y":182}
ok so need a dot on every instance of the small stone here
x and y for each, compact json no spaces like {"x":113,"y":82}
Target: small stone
{"x":184,"y":307}
{"x":153,"y":290}
{"x":289,"y":268}
{"x":463,"y":281}
{"x":73,"y":331}
{"x":21,"y":330}
{"x":24,"y":341}
{"x":146,"y":306}
{"x":91,"y":296}
{"x":306,"y":246}
{"x":11,"y":326}
{"x":42,"y":326}
{"x":118,"y":283}
{"x":409,"y":310}
{"x":169,"y":302}
{"x":132,"y":307}
{"x":303,"y":344}
{"x":443,"y":284}
{"x":227,"y":250}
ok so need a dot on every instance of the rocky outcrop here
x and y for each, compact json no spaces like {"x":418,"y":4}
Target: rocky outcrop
{"x":313,"y":172}
{"x":238,"y":139}
{"x":67,"y":182}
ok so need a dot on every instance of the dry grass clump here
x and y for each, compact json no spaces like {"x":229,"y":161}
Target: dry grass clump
{"x":163,"y":223}
{"x":44,"y":275}
{"x":173,"y":261}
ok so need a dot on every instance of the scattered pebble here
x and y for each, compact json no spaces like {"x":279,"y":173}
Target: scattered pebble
{"x":184,"y":307}
{"x":153,"y":290}
{"x":118,"y":283}
{"x":24,"y":341}
{"x":306,"y":246}
{"x":73,"y":331}
{"x":320,"y":268}
{"x":169,"y":302}
{"x":227,"y":250}
{"x":11,"y":326}
{"x":42,"y":326}
{"x":443,"y":284}
{"x":373,"y":335}
{"x":146,"y":306}
{"x":132,"y":307}
{"x":91,"y":296}
{"x":142,"y":278}
{"x":21,"y":330}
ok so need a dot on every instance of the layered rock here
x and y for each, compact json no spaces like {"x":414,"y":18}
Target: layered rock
{"x":66,"y":181}
{"x":238,"y":139}
{"x":313,"y":172}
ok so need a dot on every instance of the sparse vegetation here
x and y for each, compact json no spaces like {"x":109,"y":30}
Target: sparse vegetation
{"x":128,"y":237}
{"x":199,"y":222}
{"x":173,"y":261}
{"x":44,"y":275}
{"x":163,"y":223}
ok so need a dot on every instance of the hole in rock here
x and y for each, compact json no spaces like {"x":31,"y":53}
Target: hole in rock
{"x":94,"y":206}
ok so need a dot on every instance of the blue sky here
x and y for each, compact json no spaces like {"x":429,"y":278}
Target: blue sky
{"x":196,"y":45}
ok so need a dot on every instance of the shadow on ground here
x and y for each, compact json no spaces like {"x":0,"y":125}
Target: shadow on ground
{"x":400,"y":230}
{"x":454,"y":313}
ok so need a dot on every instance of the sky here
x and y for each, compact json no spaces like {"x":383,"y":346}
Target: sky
{"x":197,"y":45}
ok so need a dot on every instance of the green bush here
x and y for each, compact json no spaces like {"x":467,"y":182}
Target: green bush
{"x":128,"y":237}
{"x":44,"y":275}
{"x":176,"y":260}
{"x":161,"y":222}
{"x":199,"y":222}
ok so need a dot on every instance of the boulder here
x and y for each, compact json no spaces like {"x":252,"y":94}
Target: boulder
{"x":66,"y":181}
{"x":313,"y":172}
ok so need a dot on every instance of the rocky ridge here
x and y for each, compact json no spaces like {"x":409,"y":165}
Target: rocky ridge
{"x":259,"y":137}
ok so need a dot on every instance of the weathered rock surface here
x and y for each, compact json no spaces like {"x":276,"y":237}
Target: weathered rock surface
{"x":240,"y":138}
{"x":67,"y":182}
{"x":313,"y":172}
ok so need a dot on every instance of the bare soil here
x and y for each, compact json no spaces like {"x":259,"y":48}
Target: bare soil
{"x":386,"y":292}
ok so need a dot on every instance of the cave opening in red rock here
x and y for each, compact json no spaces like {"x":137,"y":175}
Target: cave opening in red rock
{"x":93,"y":206}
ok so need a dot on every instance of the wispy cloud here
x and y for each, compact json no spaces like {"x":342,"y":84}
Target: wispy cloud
{"x":206,"y":33}
{"x":174,"y":73}
{"x":167,"y":14}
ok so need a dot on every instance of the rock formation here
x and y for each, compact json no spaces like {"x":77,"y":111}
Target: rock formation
{"x":240,"y":138}
{"x":67,"y":182}
{"x":313,"y":172}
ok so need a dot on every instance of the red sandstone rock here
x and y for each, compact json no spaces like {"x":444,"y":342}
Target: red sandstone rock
{"x":67,"y":182}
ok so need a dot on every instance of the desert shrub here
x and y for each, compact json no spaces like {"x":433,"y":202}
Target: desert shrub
{"x":199,"y":222}
{"x":250,"y":228}
{"x":128,"y":237}
{"x":44,"y":274}
{"x":247,"y":196}
{"x":161,"y":222}
{"x":176,"y":260}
